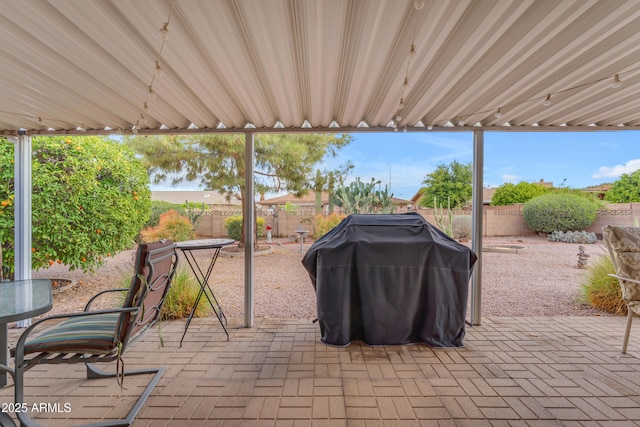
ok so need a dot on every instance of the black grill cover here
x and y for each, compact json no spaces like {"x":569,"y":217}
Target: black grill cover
{"x":390,"y":279}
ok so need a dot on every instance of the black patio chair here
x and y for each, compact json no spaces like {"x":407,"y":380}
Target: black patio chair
{"x":103,"y":335}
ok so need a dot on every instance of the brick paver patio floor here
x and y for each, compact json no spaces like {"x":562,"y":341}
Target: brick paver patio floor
{"x":511,"y":372}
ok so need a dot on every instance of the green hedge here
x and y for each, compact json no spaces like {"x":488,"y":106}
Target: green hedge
{"x":233,"y":225}
{"x":510,"y":194}
{"x":559,"y":212}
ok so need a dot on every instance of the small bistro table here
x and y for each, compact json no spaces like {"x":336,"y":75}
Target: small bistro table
{"x":19,"y":300}
{"x":202,"y":273}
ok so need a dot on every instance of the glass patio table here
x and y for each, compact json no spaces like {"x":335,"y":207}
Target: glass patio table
{"x":202,"y":272}
{"x":19,"y":300}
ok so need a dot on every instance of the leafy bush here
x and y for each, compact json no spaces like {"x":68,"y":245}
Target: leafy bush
{"x":572,"y":237}
{"x":172,"y":226}
{"x":626,"y":189}
{"x":559,"y":212}
{"x":233,"y":225}
{"x":324,"y":224}
{"x":452,"y":181}
{"x":509,"y":194}
{"x":602,"y":291}
{"x":90,"y":199}
{"x":159,"y":207}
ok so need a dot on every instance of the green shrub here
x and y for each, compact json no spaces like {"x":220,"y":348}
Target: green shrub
{"x":559,"y":212}
{"x":602,"y":291}
{"x":509,"y":194}
{"x":172,"y":226}
{"x":233,"y":225}
{"x":626,"y":189}
{"x":324,"y":224}
{"x":90,"y":199}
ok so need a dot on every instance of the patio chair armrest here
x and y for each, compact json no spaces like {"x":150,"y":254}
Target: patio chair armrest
{"x":99,"y":294}
{"x":626,"y":279}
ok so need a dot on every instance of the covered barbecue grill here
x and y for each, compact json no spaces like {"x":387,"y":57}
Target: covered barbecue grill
{"x":390,"y":279}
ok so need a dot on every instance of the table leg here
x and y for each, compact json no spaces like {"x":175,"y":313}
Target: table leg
{"x":4,"y":352}
{"x":203,"y":280}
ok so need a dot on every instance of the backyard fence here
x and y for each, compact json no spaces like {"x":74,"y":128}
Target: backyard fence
{"x":497,"y":220}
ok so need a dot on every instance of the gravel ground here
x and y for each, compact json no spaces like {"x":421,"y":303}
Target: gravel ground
{"x":541,"y":280}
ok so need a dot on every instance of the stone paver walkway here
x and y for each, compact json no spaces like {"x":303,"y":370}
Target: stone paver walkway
{"x":511,"y":372}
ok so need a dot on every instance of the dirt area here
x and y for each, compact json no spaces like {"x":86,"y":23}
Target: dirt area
{"x":541,"y":280}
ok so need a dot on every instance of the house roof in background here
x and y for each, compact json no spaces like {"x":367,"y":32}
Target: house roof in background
{"x":305,"y":199}
{"x":95,"y":66}
{"x":487,"y":195}
{"x":310,"y":199}
{"x":206,"y":197}
{"x":601,"y":188}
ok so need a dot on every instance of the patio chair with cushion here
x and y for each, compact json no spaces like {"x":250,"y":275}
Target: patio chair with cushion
{"x":102,"y":335}
{"x":623,"y":244}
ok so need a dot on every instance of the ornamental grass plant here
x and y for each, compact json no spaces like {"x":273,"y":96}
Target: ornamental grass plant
{"x":602,"y":291}
{"x":181,"y":296}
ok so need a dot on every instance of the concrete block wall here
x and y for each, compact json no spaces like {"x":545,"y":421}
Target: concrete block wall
{"x":497,"y":220}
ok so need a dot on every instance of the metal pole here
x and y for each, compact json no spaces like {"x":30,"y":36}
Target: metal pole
{"x":22,"y":213}
{"x":476,"y":228}
{"x":249,"y":223}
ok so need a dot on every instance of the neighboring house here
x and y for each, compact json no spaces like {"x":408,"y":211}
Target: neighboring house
{"x":598,"y":190}
{"x":305,"y":201}
{"x":401,"y":205}
{"x":545,"y":183}
{"x":487,"y":195}
{"x":309,"y":201}
{"x":212,"y":199}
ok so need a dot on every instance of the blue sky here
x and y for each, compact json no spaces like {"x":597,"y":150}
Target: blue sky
{"x":577,"y":159}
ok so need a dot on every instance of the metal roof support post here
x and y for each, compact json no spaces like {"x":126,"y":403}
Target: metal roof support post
{"x":249,"y":224}
{"x":476,"y":226}
{"x":22,"y":212}
{"x":22,"y":206}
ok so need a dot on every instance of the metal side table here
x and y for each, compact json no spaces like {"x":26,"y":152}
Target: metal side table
{"x":202,"y":273}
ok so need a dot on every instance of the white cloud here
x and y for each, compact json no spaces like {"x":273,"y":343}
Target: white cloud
{"x":511,"y":178}
{"x":617,"y":170}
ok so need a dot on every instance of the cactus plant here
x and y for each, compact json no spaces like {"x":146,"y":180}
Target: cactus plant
{"x":363,"y":198}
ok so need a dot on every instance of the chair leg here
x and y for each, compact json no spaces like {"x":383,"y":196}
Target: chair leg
{"x":93,"y":373}
{"x":627,"y":331}
{"x":5,"y":419}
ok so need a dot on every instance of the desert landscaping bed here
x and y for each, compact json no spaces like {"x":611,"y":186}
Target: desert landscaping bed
{"x":541,"y":280}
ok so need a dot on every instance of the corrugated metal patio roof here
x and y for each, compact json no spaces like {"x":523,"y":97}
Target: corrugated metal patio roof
{"x":308,"y":65}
